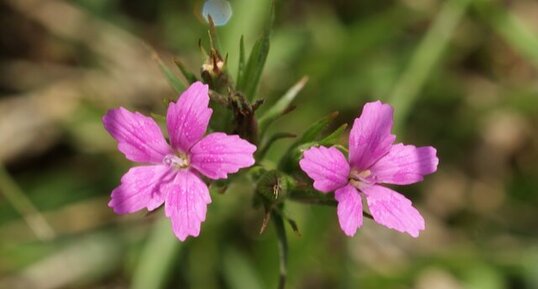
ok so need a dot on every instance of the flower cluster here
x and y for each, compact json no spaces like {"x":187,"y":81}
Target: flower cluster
{"x":171,"y":173}
{"x":373,"y":160}
{"x":174,"y":173}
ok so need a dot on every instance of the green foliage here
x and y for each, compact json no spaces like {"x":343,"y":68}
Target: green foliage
{"x":306,"y":140}
{"x":172,"y":79}
{"x":156,"y":259}
{"x":460,"y":74}
{"x":282,"y":105}
{"x":248,"y":83}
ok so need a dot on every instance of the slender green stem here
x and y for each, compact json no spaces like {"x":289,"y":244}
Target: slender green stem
{"x":282,"y":248}
{"x":31,"y":215}
{"x":425,"y":57}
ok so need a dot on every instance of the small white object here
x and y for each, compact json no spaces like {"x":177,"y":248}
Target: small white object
{"x":220,"y":11}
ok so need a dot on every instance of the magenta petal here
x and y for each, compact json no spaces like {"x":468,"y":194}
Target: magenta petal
{"x":349,"y":209}
{"x":405,"y":164}
{"x":139,"y":137}
{"x":393,"y":210}
{"x":219,"y":154}
{"x":141,"y":187}
{"x":370,"y":137}
{"x":187,"y":119}
{"x":328,"y":168}
{"x":186,"y":204}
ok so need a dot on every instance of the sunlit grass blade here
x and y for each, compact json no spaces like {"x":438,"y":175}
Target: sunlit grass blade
{"x":157,"y":257}
{"x":31,"y":215}
{"x":425,"y":57}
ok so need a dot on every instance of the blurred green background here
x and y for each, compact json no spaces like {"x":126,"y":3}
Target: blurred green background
{"x":461,"y":74}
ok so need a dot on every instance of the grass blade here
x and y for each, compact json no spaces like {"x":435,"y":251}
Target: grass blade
{"x":158,"y":255}
{"x":425,"y":57}
{"x":173,"y":80}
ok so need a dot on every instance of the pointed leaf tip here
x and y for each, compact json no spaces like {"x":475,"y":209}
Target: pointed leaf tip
{"x":282,"y":105}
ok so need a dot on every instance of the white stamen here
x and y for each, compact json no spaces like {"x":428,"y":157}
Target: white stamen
{"x":179,"y":161}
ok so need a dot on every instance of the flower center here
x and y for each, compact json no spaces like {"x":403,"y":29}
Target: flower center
{"x":359,"y":179}
{"x":177,"y":161}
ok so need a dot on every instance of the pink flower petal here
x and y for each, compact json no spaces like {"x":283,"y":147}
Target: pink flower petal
{"x":186,"y":204}
{"x":405,"y":164}
{"x":187,"y":119}
{"x":393,"y":210}
{"x":370,"y":137}
{"x":219,"y":154}
{"x":349,"y":209}
{"x":141,"y":187}
{"x":139,"y":138}
{"x":328,"y":168}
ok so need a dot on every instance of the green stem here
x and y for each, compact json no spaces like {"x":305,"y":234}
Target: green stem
{"x":31,"y":215}
{"x":282,"y":248}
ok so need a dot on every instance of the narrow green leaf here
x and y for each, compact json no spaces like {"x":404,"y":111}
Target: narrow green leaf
{"x":254,"y":68}
{"x":294,"y":226}
{"x":256,"y":61}
{"x":241,"y":65}
{"x":173,"y":80}
{"x":314,"y":130}
{"x":334,"y":137}
{"x":189,"y":76}
{"x":306,"y":139}
{"x":330,"y":140}
{"x":281,"y":105}
{"x":202,"y":49}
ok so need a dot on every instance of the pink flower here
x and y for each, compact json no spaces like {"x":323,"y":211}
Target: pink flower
{"x":170,"y":174}
{"x":373,"y":160}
